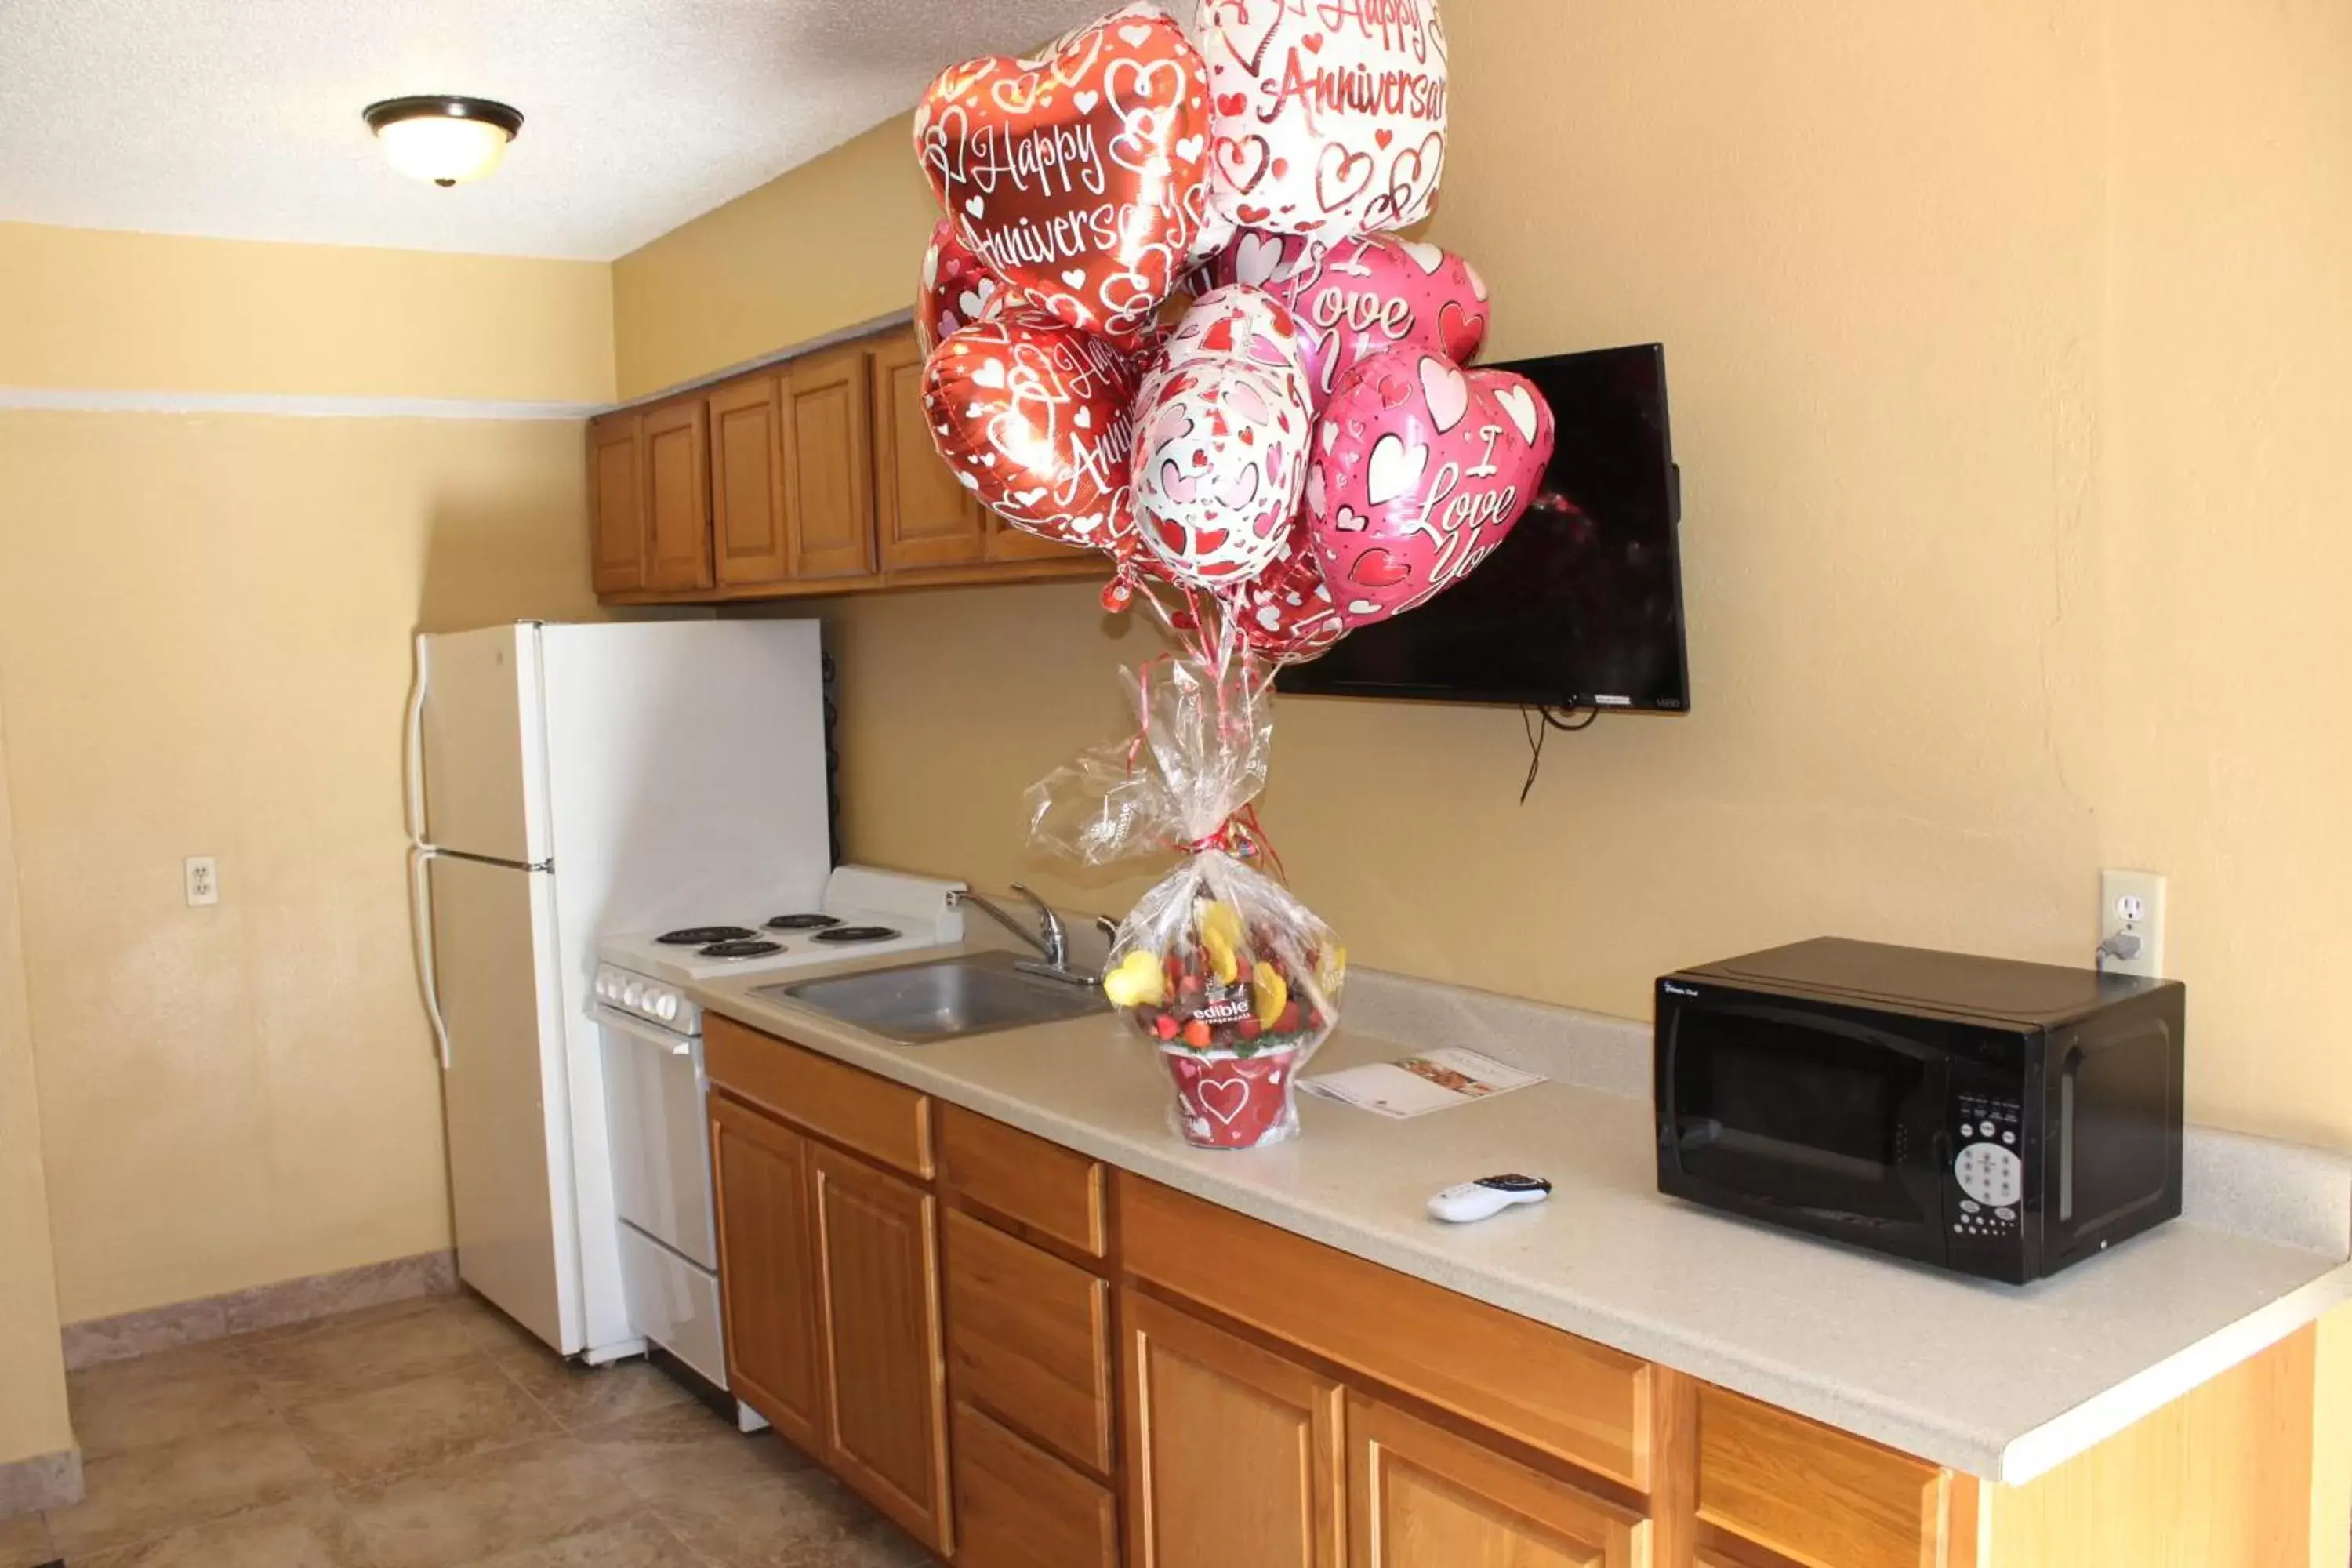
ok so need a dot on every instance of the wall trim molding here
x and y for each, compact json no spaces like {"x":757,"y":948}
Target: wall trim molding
{"x":295,"y":406}
{"x":100,"y":1339}
{"x":42,"y":1482}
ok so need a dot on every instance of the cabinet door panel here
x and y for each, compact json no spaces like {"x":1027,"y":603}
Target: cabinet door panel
{"x":1814,"y":1494}
{"x":1234,"y":1454}
{"x":1028,"y":1340}
{"x":616,"y":500}
{"x":884,"y":1371}
{"x":1422,"y":1497}
{"x":767,"y":1269}
{"x":922,"y":513}
{"x":747,"y":483}
{"x":678,"y":496}
{"x":1018,"y":1507}
{"x":828,"y":482}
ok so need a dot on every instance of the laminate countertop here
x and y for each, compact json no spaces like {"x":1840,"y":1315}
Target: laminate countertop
{"x":2002,"y":1382}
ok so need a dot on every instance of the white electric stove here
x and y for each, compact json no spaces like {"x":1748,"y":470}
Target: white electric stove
{"x":655,"y":1083}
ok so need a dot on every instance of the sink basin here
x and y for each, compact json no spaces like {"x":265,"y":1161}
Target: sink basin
{"x":945,"y":999}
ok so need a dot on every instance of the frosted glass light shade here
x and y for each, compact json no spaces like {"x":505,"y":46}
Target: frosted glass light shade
{"x":443,"y":140}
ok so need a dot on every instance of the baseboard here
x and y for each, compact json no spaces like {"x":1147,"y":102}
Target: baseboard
{"x":100,"y":1340}
{"x":43,"y":1481}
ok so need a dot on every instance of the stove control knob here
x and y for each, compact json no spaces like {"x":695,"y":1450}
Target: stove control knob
{"x":630,"y":993}
{"x":667,"y":1009}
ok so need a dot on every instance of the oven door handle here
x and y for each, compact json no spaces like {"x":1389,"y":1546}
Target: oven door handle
{"x":645,"y":1029}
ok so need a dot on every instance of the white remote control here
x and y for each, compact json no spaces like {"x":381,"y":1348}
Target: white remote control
{"x":1487,"y":1196}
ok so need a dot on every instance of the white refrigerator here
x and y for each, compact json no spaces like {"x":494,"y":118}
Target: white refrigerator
{"x":566,"y":781}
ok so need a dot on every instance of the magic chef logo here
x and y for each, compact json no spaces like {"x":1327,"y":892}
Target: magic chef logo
{"x":1674,"y":990}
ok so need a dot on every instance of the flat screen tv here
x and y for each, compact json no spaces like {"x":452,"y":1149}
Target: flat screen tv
{"x":1581,"y":606}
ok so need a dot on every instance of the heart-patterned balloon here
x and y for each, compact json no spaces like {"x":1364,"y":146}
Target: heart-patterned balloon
{"x":1420,"y":468}
{"x":1286,"y":613}
{"x":1220,"y":432}
{"x":1076,"y":175}
{"x":957,"y":289}
{"x":1356,"y":297}
{"x":1031,"y":415}
{"x":1329,"y":118}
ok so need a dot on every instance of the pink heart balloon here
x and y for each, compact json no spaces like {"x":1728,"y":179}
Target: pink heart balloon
{"x":1221,"y":433}
{"x":1356,"y":298}
{"x":1420,"y":468}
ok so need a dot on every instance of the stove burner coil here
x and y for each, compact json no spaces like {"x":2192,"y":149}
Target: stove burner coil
{"x":804,"y":922}
{"x":740,"y":949}
{"x":845,"y":934}
{"x":702,"y":936}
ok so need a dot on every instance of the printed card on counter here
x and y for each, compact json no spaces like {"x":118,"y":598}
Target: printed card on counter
{"x":1433,"y":1080}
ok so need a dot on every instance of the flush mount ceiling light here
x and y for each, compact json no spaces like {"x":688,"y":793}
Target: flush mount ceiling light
{"x":442,"y":138}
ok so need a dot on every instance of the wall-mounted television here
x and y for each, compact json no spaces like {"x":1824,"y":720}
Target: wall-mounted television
{"x":1581,"y":606}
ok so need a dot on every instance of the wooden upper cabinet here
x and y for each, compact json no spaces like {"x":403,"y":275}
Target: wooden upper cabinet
{"x":828,"y":468}
{"x":923,"y":516}
{"x":616,"y":502}
{"x":885,"y":1369}
{"x":747,"y":483}
{"x":1232,"y":1452}
{"x":767,"y":1268}
{"x":678,"y":494}
{"x":1419,"y":1497}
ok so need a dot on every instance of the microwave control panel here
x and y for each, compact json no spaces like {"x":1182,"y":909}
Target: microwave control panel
{"x":1990,"y":1174}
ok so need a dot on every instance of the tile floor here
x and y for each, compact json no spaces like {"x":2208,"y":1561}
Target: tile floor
{"x":430,"y":1433}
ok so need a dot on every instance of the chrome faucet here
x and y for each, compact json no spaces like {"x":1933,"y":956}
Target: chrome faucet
{"x":1051,"y":938}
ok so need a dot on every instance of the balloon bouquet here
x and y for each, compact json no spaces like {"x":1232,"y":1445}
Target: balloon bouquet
{"x":1297,"y":452}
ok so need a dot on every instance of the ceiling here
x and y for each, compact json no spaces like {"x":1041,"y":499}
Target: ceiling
{"x":241,"y":118}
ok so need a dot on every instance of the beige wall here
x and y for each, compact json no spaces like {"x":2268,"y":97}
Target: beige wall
{"x":32,"y":1382}
{"x":159,"y":312}
{"x":820,"y":248}
{"x":205,"y":628}
{"x":2006,"y":347}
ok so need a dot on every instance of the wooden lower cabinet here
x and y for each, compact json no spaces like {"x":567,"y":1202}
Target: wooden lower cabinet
{"x":885,"y":1375}
{"x":1018,"y":1507}
{"x":1419,"y":1497}
{"x":767,"y":1269}
{"x":1233,"y":1455}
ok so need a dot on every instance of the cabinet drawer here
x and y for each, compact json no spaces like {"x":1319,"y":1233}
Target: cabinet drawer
{"x":1018,"y":1507}
{"x":1814,"y":1494}
{"x":1585,"y":1402}
{"x":880,"y":1119}
{"x":1049,"y":1188}
{"x":1029,"y":1339}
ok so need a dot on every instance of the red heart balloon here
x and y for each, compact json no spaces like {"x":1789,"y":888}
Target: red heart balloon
{"x":1032,"y":417}
{"x":1079,"y":175}
{"x":1286,"y":612}
{"x":957,"y":289}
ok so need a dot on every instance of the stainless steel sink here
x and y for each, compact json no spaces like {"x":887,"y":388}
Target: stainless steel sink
{"x":944,"y":999}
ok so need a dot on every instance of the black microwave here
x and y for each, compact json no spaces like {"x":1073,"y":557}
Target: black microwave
{"x":1997,"y":1119}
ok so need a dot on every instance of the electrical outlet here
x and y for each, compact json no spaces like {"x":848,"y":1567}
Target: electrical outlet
{"x":202,"y":880}
{"x":2131,"y":903}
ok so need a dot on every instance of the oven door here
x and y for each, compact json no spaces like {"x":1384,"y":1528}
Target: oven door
{"x":1826,"y":1119}
{"x":654,"y":1094}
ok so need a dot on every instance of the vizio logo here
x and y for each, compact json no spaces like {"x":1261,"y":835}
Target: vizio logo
{"x":1674,"y":990}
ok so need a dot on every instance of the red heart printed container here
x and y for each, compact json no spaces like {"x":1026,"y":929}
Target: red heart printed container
{"x":1228,"y":1101}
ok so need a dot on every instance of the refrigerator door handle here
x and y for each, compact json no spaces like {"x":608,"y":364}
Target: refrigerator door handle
{"x":413,"y":801}
{"x":420,"y":883}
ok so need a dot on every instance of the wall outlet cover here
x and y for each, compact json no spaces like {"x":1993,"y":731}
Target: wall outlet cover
{"x":2131,"y":903}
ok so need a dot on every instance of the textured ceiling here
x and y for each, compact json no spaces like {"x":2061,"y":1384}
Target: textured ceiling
{"x":241,"y":118}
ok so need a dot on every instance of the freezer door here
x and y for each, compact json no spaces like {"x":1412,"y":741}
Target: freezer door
{"x":484,"y":744}
{"x":504,"y":1095}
